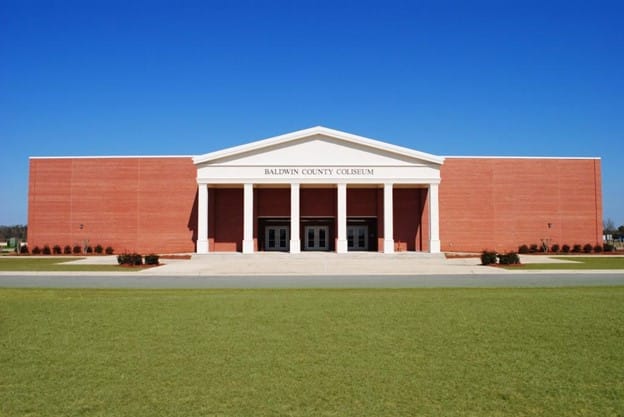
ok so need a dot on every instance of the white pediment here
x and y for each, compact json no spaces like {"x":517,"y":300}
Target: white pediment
{"x":330,"y":153}
{"x":318,"y":145}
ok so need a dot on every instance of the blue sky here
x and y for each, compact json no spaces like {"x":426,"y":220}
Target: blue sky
{"x":529,"y":78}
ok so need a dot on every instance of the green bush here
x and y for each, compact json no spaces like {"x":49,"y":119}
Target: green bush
{"x":587,"y":248}
{"x":151,"y":259}
{"x":565,"y":248}
{"x":108,"y":250}
{"x":77,"y":250}
{"x":24,"y":250}
{"x":510,"y":258}
{"x":36,"y":250}
{"x":554,"y":248}
{"x":99,"y":249}
{"x":576,"y":248}
{"x":130,"y":259}
{"x":56,"y":249}
{"x":488,"y":258}
{"x":533,"y":248}
{"x":67,"y":250}
{"x":523,"y":249}
{"x":608,"y":247}
{"x":46,"y":250}
{"x":89,"y":249}
{"x":598,"y":248}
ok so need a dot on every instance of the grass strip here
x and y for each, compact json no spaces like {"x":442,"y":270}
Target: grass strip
{"x":425,"y":352}
{"x":580,"y":262}
{"x":27,"y":263}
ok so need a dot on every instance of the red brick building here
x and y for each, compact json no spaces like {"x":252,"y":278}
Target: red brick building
{"x":316,"y":189}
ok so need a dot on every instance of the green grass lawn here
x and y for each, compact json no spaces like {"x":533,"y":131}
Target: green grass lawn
{"x":27,"y":263}
{"x":417,"y":352}
{"x":580,"y":262}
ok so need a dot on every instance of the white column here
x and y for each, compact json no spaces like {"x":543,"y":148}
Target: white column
{"x":388,"y":219}
{"x":248,"y":243}
{"x":341,"y":241}
{"x":295,"y":242}
{"x":202,"y":218}
{"x":434,"y":219}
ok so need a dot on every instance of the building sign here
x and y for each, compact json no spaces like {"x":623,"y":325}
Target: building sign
{"x":319,"y":172}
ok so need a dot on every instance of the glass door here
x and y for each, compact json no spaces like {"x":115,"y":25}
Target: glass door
{"x":316,"y":238}
{"x":276,"y":238}
{"x":357,"y":238}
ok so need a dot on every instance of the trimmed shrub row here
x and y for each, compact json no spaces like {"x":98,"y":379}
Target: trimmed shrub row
{"x":135,"y":259}
{"x":576,"y":248}
{"x":490,"y":258}
{"x":67,"y":250}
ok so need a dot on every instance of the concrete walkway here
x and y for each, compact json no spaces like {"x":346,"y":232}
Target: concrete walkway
{"x":316,"y":263}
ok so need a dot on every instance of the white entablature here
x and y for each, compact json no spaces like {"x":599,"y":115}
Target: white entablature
{"x":318,"y":155}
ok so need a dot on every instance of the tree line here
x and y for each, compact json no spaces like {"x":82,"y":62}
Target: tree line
{"x":18,"y":231}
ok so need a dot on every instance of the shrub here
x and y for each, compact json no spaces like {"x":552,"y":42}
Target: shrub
{"x":99,"y":249}
{"x":587,"y":248}
{"x":608,"y":247}
{"x":554,"y":248}
{"x":46,"y":250}
{"x":24,"y":250}
{"x":67,"y":250}
{"x":510,"y":258}
{"x":36,"y":250}
{"x":130,"y":259}
{"x":533,"y":248}
{"x":598,"y":248}
{"x":77,"y":250}
{"x":89,"y":249}
{"x":488,"y":258}
{"x":565,"y":248}
{"x":576,"y":248}
{"x":524,"y":249}
{"x":56,"y":249}
{"x":152,"y":259}
{"x":108,"y":250}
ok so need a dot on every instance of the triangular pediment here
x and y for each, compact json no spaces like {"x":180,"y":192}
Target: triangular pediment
{"x":318,"y":146}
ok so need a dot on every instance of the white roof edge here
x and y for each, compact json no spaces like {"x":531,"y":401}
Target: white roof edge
{"x":317,"y":130}
{"x":111,"y":157}
{"x":520,"y":157}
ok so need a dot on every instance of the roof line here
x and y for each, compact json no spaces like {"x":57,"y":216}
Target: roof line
{"x":111,"y":157}
{"x":519,"y":157}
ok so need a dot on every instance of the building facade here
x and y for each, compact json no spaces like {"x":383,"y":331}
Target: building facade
{"x":313,"y":190}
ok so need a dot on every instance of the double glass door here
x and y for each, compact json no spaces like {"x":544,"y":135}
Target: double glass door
{"x":357,"y":237}
{"x":276,"y":238}
{"x":316,"y":238}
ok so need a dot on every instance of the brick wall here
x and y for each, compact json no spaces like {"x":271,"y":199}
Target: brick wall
{"x":106,"y":195}
{"x":501,"y":203}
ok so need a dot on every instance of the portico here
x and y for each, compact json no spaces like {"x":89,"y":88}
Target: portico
{"x":318,"y":189}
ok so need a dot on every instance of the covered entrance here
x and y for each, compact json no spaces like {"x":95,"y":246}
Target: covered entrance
{"x":318,"y":189}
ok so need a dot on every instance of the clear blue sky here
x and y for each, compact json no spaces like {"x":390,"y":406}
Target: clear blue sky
{"x":534,"y":78}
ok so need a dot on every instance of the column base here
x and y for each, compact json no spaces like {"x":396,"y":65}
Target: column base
{"x":342,"y":246}
{"x":248,"y":246}
{"x":202,"y":246}
{"x":295,"y":246}
{"x":434,"y":246}
{"x":388,"y":246}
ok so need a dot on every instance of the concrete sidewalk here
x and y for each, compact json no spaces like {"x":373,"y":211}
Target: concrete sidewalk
{"x":323,"y":263}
